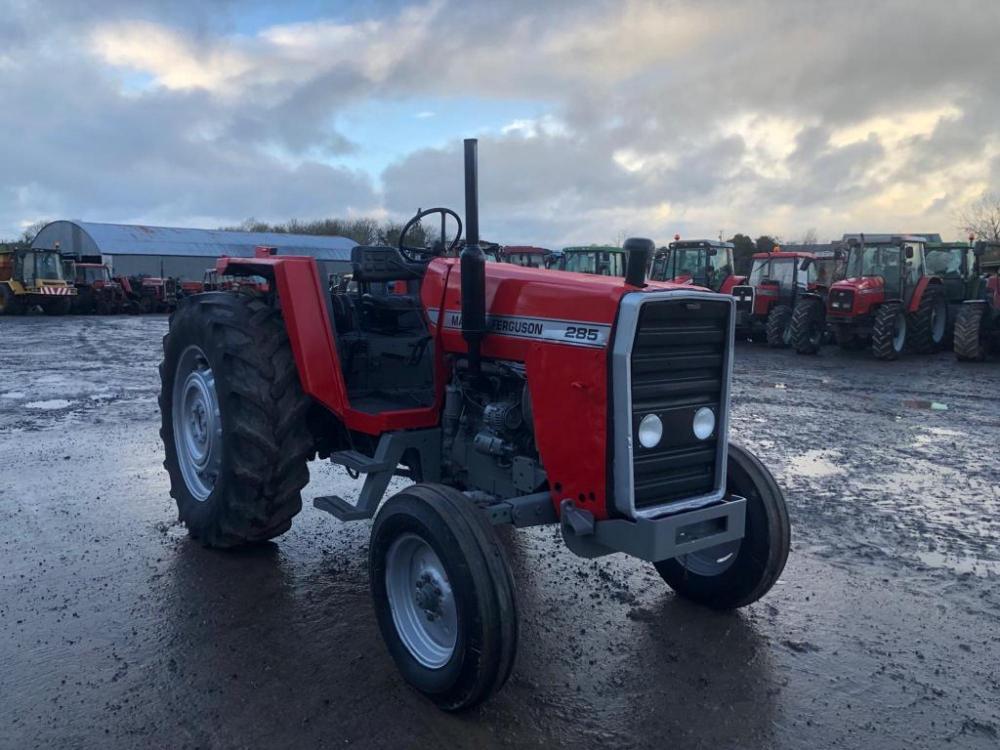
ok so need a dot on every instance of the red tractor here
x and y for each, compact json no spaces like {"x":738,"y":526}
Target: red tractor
{"x":888,"y":299}
{"x":150,"y":294}
{"x":526,"y":255}
{"x":766,"y":302}
{"x":508,"y":395}
{"x":704,"y":263}
{"x":96,"y":291}
{"x":977,"y":326}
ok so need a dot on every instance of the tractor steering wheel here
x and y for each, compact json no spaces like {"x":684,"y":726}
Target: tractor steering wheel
{"x":426,"y":254}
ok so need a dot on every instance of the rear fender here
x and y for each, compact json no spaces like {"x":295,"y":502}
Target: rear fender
{"x":305,"y":307}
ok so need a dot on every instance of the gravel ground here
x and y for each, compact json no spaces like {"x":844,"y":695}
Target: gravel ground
{"x":117,"y":631}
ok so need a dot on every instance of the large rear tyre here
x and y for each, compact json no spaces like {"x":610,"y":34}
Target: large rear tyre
{"x":808,"y":325}
{"x":889,"y":331}
{"x":738,"y":573}
{"x":233,"y":420}
{"x":929,"y":324}
{"x":779,"y":327}
{"x":443,"y":595}
{"x":971,"y":342}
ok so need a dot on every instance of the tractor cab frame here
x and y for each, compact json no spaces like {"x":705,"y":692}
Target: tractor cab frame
{"x":705,"y":263}
{"x":598,"y":260}
{"x":526,"y":256}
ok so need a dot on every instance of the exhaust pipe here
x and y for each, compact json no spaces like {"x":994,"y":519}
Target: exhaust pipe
{"x":638,"y":251}
{"x":473,"y":264}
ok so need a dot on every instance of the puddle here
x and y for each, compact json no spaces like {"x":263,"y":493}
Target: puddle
{"x":12,"y":394}
{"x":50,"y":405}
{"x":973,"y":565}
{"x":815,"y":464}
{"x":934,"y":435}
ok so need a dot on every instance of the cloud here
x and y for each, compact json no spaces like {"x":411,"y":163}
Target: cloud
{"x":637,"y":116}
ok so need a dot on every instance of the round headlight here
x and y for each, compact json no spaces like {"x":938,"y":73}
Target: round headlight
{"x":650,"y":431}
{"x":704,"y":423}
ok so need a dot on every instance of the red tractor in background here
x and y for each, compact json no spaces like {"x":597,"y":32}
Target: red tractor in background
{"x":888,"y":299}
{"x":766,"y":302}
{"x":704,"y":263}
{"x":150,"y":294}
{"x":977,"y":326}
{"x":508,"y":395}
{"x":96,"y":291}
{"x":526,"y":255}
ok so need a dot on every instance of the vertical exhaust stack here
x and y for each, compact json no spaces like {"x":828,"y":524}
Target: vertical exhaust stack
{"x":638,"y":252}
{"x":473,"y":263}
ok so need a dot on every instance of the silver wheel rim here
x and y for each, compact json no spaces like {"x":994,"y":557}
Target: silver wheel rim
{"x":899,"y":337}
{"x":939,"y":318}
{"x":421,"y":601}
{"x":197,"y":423}
{"x":712,"y":561}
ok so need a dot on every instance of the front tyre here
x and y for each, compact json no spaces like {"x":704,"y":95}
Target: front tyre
{"x":443,"y":595}
{"x":779,"y":327}
{"x":889,"y":331}
{"x":233,"y":416}
{"x":808,"y":325}
{"x":738,"y":573}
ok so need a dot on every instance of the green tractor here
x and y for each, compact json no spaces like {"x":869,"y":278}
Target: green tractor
{"x":602,"y":260}
{"x":977,"y":324}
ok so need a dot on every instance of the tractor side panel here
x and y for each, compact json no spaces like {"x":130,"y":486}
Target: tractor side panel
{"x":559,"y":325}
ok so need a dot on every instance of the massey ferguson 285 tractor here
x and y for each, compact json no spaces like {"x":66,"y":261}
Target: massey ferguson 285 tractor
{"x":508,"y":395}
{"x":888,"y":298}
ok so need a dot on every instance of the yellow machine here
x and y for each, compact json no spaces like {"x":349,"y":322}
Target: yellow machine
{"x":34,"y":277}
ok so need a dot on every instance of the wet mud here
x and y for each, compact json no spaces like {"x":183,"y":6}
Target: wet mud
{"x":116,"y":630}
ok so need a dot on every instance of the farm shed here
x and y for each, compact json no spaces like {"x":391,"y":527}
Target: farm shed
{"x":135,"y":250}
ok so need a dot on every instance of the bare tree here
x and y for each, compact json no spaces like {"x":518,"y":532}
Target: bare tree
{"x":810,"y":237}
{"x":31,"y":231}
{"x":982,"y":218}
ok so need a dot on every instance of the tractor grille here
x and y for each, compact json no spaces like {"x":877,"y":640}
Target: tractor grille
{"x":679,"y":364}
{"x":841,"y":300}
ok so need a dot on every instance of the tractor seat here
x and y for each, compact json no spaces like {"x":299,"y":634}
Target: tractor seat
{"x":391,"y":312}
{"x":383,"y":263}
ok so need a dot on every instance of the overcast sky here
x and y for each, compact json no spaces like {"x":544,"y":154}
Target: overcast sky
{"x":595,"y":119}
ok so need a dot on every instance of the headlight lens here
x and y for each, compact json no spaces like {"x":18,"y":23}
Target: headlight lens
{"x":650,"y":431}
{"x":704,"y":423}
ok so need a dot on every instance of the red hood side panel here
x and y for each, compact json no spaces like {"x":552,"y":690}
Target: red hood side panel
{"x":559,"y":325}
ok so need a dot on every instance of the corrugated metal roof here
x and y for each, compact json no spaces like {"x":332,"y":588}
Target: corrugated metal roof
{"x":92,"y":238}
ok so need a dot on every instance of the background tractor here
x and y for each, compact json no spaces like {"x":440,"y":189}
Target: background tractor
{"x":600,"y":260}
{"x":704,"y":263}
{"x":809,"y":329}
{"x":977,"y":325}
{"x":525,"y":255}
{"x":151,"y":294}
{"x":508,"y":395}
{"x":888,"y":299}
{"x":766,"y":302}
{"x":30,"y":278}
{"x":96,"y":291}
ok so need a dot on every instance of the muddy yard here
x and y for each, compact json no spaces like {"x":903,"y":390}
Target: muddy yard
{"x":884,"y":631}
